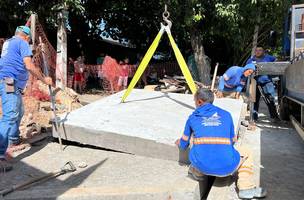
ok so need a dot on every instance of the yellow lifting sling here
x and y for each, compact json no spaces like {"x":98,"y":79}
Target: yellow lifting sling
{"x":145,"y":61}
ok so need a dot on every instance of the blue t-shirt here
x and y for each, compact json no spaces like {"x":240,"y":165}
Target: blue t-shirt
{"x":11,"y":61}
{"x":234,"y":77}
{"x":262,"y":79}
{"x":213,"y":135}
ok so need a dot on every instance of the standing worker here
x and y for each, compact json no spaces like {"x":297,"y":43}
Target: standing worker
{"x":123,"y":74}
{"x":265,"y":83}
{"x":15,"y":63}
{"x":78,"y":74}
{"x":99,"y":62}
{"x":211,"y":131}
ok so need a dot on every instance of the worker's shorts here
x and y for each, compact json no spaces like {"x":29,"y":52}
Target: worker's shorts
{"x":123,"y":80}
{"x":78,"y":77}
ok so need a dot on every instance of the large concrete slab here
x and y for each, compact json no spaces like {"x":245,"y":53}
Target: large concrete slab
{"x":147,"y":124}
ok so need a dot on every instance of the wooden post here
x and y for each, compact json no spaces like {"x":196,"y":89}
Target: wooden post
{"x":33,"y":30}
{"x":255,"y":39}
{"x":252,"y":87}
{"x":252,"y":97}
{"x":61,"y":59}
{"x":214,"y":76}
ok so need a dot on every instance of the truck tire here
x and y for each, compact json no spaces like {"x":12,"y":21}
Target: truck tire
{"x":284,"y":110}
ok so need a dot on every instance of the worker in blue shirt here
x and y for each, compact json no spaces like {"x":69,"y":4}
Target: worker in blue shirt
{"x":234,"y":80}
{"x":15,"y":63}
{"x":265,"y":83}
{"x":210,"y":129}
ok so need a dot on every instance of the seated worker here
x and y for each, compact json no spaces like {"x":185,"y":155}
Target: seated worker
{"x":266,"y":84}
{"x":211,"y":131}
{"x":234,"y":80}
{"x":152,"y":77}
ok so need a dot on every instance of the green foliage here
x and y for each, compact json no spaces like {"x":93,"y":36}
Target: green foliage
{"x":226,"y":26}
{"x":72,"y":5}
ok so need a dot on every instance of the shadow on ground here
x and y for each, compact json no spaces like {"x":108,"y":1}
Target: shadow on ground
{"x":282,"y":160}
{"x":23,"y":172}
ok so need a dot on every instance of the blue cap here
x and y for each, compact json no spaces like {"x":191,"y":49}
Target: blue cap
{"x":249,"y":66}
{"x":26,"y":30}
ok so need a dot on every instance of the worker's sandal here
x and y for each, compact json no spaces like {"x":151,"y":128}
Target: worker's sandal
{"x":195,"y":174}
{"x":5,"y":166}
{"x":257,"y":192}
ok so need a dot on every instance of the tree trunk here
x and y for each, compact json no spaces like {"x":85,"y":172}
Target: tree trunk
{"x":256,"y":32}
{"x":255,"y":39}
{"x":202,"y":61}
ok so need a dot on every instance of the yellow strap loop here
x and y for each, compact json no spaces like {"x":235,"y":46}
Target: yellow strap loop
{"x":143,"y":64}
{"x":182,"y":63}
{"x":180,"y":59}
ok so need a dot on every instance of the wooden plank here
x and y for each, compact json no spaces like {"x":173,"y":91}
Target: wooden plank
{"x":271,"y":68}
{"x":252,"y":90}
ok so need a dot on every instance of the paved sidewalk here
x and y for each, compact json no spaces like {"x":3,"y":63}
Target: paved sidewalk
{"x":279,"y":162}
{"x":108,"y":176}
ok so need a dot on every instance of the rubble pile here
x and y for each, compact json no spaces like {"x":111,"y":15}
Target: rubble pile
{"x":38,"y":111}
{"x":177,"y":84}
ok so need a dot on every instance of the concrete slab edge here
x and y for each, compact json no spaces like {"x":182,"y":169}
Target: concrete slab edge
{"x":123,"y":143}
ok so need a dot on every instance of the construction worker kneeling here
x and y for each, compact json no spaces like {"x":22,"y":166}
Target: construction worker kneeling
{"x":234,"y":80}
{"x":213,"y":153}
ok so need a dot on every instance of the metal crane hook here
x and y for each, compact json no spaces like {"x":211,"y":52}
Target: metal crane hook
{"x":166,"y":15}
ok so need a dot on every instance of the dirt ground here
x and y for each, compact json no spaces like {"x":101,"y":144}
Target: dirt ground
{"x":38,"y":114}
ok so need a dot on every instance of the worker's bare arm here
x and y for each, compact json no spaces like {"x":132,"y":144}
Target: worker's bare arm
{"x":35,"y":71}
{"x":237,"y":95}
{"x":219,"y":94}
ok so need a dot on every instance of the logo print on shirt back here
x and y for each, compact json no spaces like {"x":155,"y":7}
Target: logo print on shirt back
{"x":214,"y":120}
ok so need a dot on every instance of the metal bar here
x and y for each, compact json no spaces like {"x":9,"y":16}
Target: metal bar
{"x":297,"y":126}
{"x":294,"y":100}
{"x":46,"y":72}
{"x":40,"y":179}
{"x":292,"y":35}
